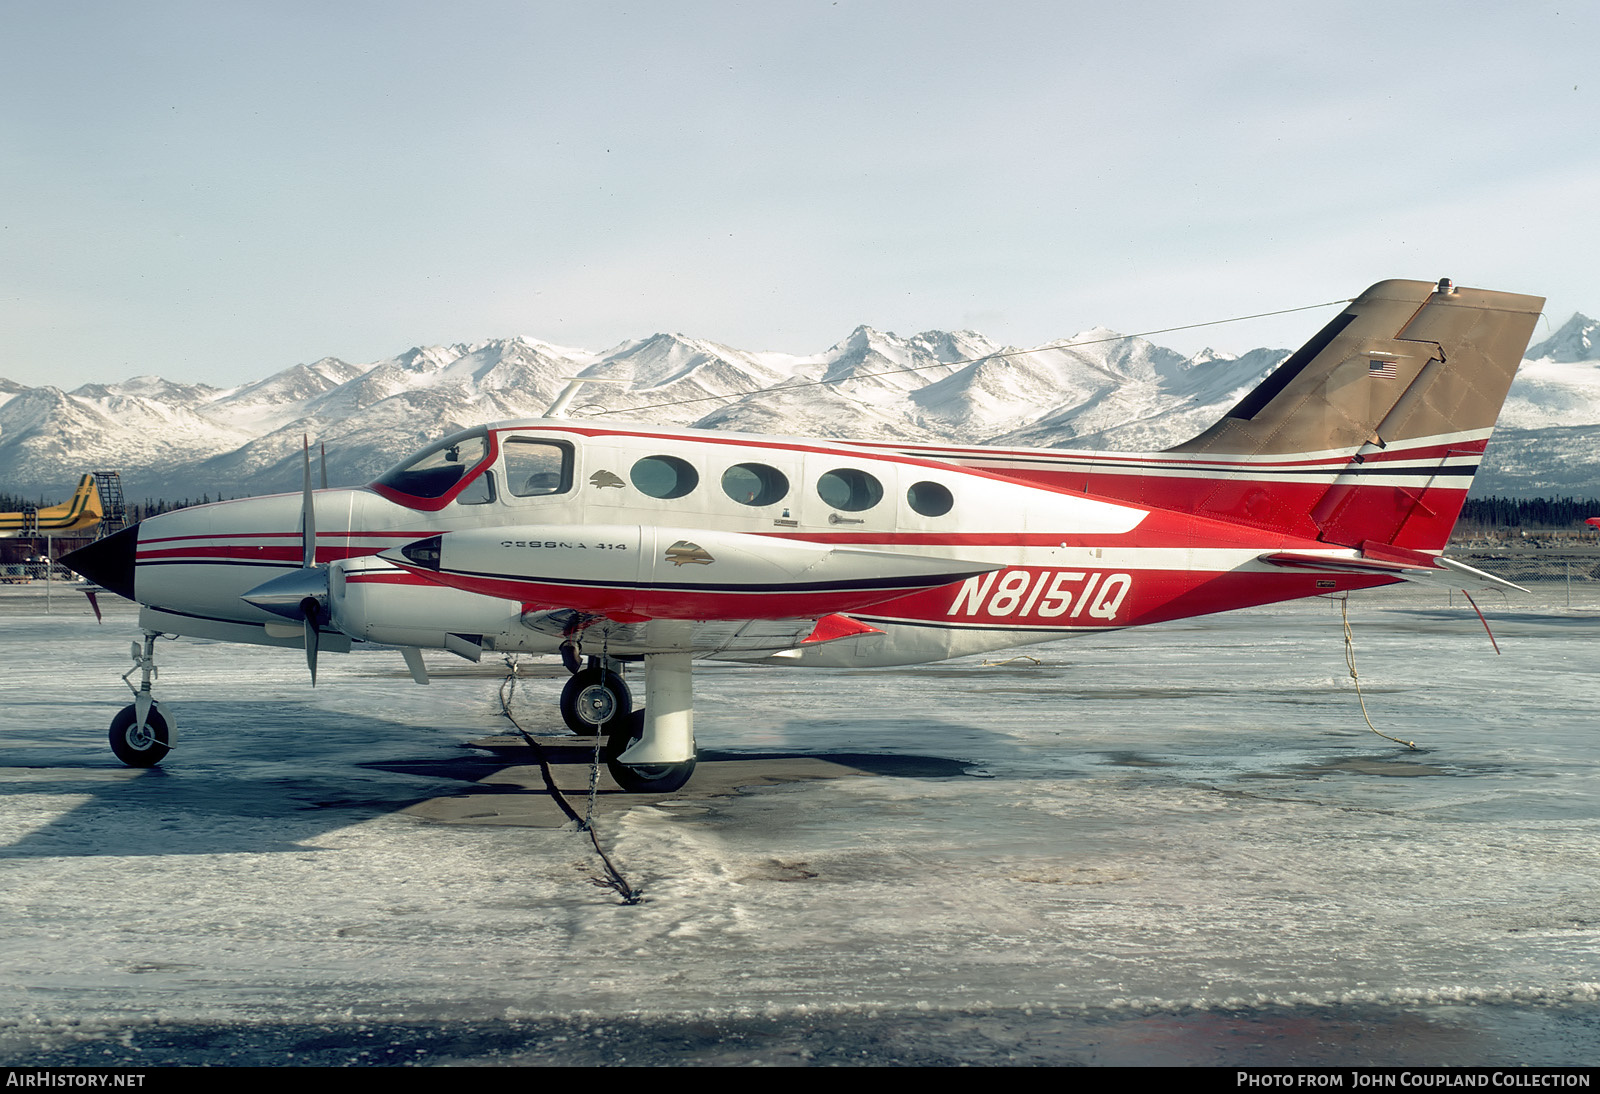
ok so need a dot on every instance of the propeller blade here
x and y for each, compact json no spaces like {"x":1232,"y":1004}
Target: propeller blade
{"x":311,"y":609}
{"x":308,"y":514}
{"x":311,"y":647}
{"x":324,"y":449}
{"x":310,"y":606}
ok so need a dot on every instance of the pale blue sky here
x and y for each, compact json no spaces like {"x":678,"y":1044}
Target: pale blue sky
{"x":215,"y":191}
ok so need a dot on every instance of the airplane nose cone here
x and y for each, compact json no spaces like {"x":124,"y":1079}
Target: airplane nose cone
{"x":108,"y":562}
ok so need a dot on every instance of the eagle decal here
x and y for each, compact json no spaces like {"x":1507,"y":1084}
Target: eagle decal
{"x":684,"y":553}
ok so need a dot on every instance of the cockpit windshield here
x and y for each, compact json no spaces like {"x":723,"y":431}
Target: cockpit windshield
{"x":436,"y":470}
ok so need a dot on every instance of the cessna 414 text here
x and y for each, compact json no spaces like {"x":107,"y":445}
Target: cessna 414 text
{"x":1344,"y":469}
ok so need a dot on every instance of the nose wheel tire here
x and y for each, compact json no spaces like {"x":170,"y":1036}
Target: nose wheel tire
{"x":595,"y":702}
{"x":653,"y":779}
{"x":140,"y":746}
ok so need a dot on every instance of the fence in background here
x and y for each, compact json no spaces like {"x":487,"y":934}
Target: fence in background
{"x":1554,"y":579}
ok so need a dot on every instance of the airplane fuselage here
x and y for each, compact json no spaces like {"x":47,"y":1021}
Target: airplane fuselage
{"x":574,"y":508}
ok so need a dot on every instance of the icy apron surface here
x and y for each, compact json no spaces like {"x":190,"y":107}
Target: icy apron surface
{"x":1180,"y":818}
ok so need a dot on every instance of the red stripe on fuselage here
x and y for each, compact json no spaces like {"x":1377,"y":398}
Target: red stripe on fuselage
{"x":223,"y":554}
{"x":295,"y":535}
{"x":1137,"y":462}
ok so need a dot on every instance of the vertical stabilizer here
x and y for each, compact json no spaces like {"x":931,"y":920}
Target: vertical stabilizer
{"x":1404,"y":385}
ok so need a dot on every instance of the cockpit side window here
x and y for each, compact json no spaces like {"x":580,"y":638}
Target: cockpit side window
{"x":480,"y":491}
{"x":536,"y":468}
{"x":436,"y":470}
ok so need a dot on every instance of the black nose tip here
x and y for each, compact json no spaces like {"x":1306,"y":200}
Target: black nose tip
{"x":108,"y":562}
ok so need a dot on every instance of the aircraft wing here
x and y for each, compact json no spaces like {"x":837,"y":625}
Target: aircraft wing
{"x":733,"y":637}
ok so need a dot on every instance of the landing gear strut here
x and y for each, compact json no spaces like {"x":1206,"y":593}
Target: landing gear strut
{"x":654,"y":753}
{"x":140,"y":734}
{"x":648,"y":751}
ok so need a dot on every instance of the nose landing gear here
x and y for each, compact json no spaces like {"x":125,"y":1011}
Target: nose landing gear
{"x":140,"y":734}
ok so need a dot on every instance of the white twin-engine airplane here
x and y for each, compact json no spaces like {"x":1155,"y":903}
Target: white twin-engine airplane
{"x":1345,"y":469}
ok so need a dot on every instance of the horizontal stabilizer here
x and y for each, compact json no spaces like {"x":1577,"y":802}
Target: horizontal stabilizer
{"x":1444,"y":571}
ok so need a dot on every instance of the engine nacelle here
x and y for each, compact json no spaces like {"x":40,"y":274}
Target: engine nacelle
{"x":373,"y":600}
{"x":630,"y":572}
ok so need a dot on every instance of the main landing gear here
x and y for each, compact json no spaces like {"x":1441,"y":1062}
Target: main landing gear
{"x":649,"y":751}
{"x":140,"y":734}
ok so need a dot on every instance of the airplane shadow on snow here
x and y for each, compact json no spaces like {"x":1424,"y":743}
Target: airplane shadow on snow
{"x":280,"y":783}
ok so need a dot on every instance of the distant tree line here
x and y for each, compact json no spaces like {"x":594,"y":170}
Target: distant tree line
{"x":1484,"y":514}
{"x":150,"y":507}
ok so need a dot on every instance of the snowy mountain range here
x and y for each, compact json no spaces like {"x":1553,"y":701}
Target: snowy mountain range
{"x":1095,"y":390}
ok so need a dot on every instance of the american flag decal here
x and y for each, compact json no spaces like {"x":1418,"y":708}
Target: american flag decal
{"x":1376,"y":368}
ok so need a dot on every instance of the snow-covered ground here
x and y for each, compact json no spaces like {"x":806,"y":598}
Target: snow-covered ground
{"x":1178,"y":844}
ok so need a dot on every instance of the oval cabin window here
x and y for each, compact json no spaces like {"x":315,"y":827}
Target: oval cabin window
{"x":929,"y":499}
{"x":664,"y":477}
{"x":754,"y":484}
{"x":849,"y":489}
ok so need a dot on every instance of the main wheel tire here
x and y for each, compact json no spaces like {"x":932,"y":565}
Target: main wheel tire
{"x":652,"y":779}
{"x":600,"y":694}
{"x":140,"y":747}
